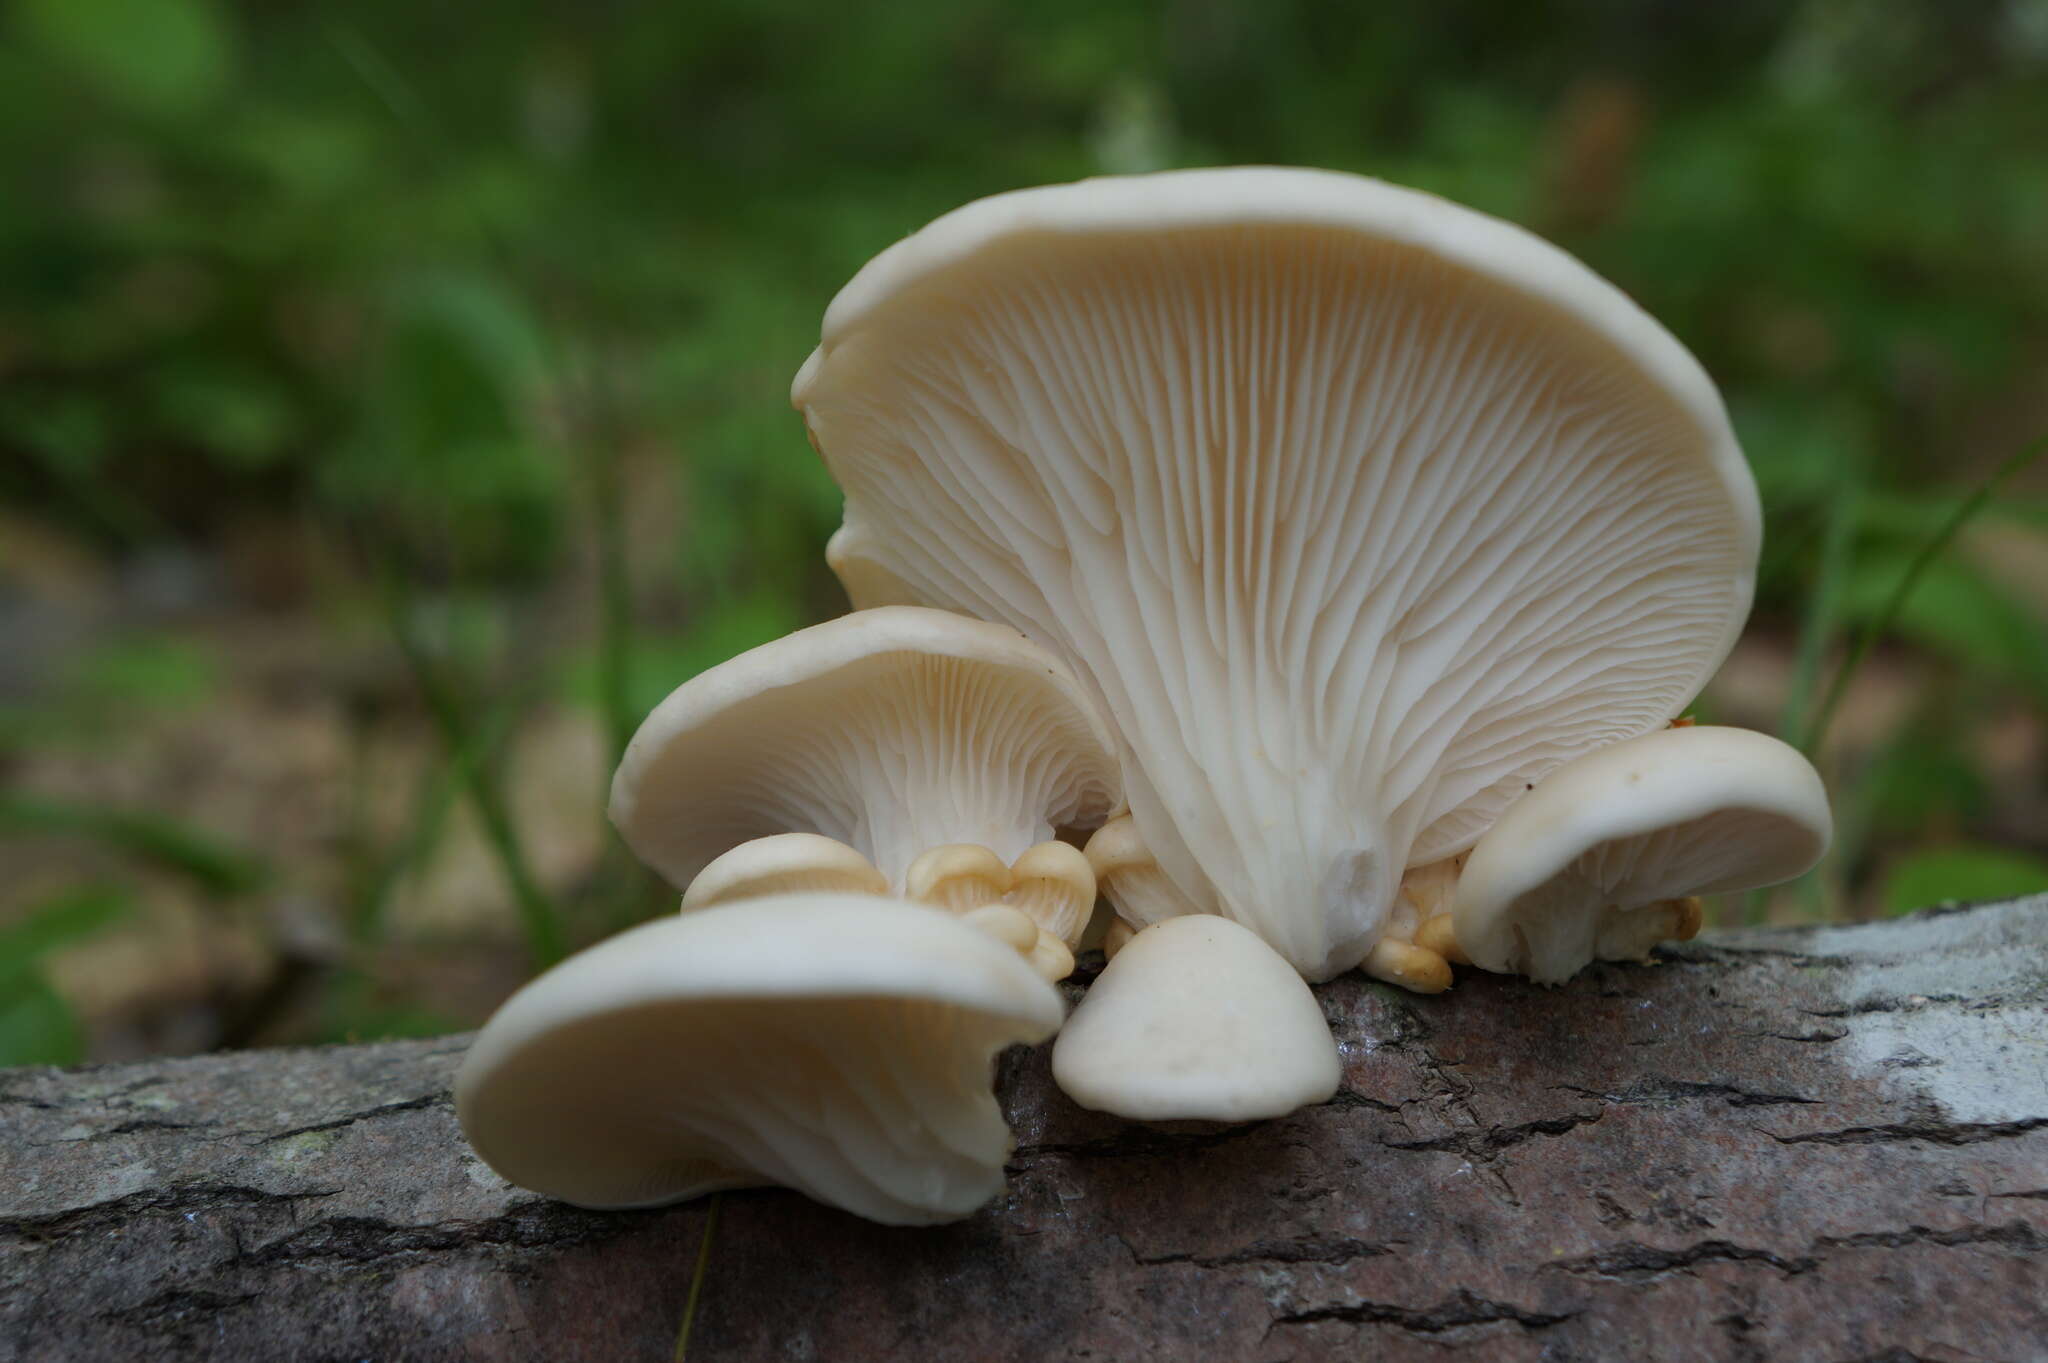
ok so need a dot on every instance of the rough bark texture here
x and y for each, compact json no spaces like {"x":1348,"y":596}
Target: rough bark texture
{"x":1819,"y":1144}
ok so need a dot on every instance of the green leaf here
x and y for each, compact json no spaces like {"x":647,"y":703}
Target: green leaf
{"x":58,"y":922}
{"x":661,"y":663}
{"x":161,"y":55}
{"x":1968,"y":873}
{"x":1957,"y":611}
{"x":36,"y":1025}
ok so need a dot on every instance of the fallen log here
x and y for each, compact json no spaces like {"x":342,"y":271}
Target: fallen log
{"x":1822,"y":1143}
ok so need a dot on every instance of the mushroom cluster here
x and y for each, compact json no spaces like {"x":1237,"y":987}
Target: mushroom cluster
{"x":1334,"y":563}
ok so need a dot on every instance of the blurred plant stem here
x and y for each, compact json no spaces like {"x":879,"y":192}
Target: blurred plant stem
{"x":1819,"y":626}
{"x":603,"y":438}
{"x":1937,"y":544}
{"x":216,"y":867}
{"x":379,"y":871}
{"x":467,"y":754}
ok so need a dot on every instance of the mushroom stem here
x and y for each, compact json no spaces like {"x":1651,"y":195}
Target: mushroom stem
{"x":1628,"y":934}
{"x":1437,"y":934}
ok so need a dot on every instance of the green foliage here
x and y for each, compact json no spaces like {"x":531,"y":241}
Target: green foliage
{"x":663,"y":662}
{"x":139,"y":674}
{"x":1966,"y":874}
{"x":36,"y":1026}
{"x":460,"y":285}
{"x":163,"y":56}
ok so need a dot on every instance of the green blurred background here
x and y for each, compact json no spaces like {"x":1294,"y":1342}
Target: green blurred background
{"x":393,"y":406}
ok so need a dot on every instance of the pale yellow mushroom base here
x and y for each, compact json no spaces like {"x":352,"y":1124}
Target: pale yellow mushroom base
{"x":1421,"y":945}
{"x":1049,"y":888}
{"x":1038,"y":904}
{"x":1418,"y":948}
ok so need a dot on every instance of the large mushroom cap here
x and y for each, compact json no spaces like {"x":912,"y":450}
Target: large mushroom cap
{"x":840,"y":1045}
{"x":1592,"y":861}
{"x":1197,"y":1019}
{"x":1362,"y":510}
{"x":892,"y":731}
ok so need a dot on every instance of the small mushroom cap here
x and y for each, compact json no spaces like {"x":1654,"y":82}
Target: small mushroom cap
{"x":785,"y":863}
{"x":1055,"y":884}
{"x":1196,"y":1018}
{"x":851,"y":557}
{"x":1129,"y":876}
{"x":841,"y":1045}
{"x":1360,"y":510}
{"x":1671,"y":814}
{"x":891,"y":730}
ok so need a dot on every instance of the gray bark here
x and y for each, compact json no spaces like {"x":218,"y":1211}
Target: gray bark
{"x":1817,"y":1144}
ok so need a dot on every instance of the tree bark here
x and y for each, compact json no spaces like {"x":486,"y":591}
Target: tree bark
{"x":1816,"y":1144}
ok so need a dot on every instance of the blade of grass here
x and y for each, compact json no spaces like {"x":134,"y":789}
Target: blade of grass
{"x":615,"y":595}
{"x":433,"y":798}
{"x":218,"y":868}
{"x":64,"y":918}
{"x":1822,"y":621}
{"x":697,"y":1280}
{"x":537,"y":914}
{"x":615,"y":606}
{"x":1936,"y":545}
{"x":1818,"y":628}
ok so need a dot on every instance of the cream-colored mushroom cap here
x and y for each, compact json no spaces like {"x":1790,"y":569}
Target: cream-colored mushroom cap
{"x":841,"y":1045}
{"x":782,"y":863}
{"x":1362,"y":511}
{"x":1579,"y":867}
{"x":893,"y":731}
{"x":1196,"y":1018}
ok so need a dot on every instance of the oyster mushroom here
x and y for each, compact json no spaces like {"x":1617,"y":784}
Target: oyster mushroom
{"x":1361,"y":511}
{"x":1608,"y":854}
{"x":840,"y":1045}
{"x":941,"y":750}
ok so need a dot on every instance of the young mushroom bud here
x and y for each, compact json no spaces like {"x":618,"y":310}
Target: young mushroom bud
{"x":1197,"y":1019}
{"x":1054,"y":883}
{"x":957,"y":877}
{"x":841,"y":1045}
{"x":1130,"y":877}
{"x":785,"y":863}
{"x":1606,"y":857}
{"x":1012,"y":927}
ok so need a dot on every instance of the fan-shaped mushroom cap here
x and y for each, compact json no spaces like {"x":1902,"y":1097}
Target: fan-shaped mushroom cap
{"x":893,"y":731}
{"x":841,"y":1045}
{"x":1196,"y":1018}
{"x":1362,"y":510}
{"x":1600,"y":858}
